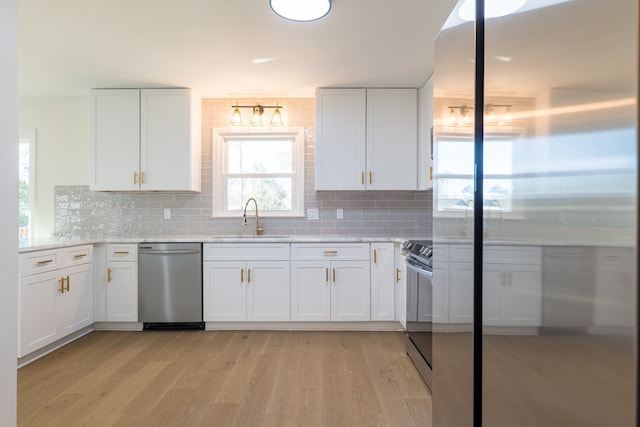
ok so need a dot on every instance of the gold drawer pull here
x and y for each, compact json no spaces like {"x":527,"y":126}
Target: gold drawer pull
{"x":375,"y":256}
{"x":61,"y":288}
{"x":326,"y":275}
{"x":334,"y":277}
{"x":44,"y":262}
{"x":68,"y":287}
{"x":397,"y":275}
{"x":80,"y":256}
{"x":248,"y":275}
{"x":242,"y":275}
{"x":108,"y":275}
{"x":135,"y":177}
{"x":327,"y":253}
{"x":121,"y":252}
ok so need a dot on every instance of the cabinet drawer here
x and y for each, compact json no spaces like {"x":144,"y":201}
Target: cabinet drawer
{"x":440,"y":253}
{"x":324,"y":251}
{"x":512,"y":255}
{"x":77,"y":255}
{"x":246,"y":251}
{"x":39,"y":262}
{"x":460,"y":252}
{"x":122,"y":252}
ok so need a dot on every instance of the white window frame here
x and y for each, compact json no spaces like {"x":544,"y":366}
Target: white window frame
{"x":219,"y":169}
{"x":28,"y":136}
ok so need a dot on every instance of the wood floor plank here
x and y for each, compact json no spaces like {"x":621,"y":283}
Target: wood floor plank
{"x":225,"y":378}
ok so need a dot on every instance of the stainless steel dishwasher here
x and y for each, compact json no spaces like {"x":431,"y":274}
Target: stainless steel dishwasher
{"x":170,"y":285}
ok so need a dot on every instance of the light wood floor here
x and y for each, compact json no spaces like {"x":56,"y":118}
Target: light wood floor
{"x":225,"y":378}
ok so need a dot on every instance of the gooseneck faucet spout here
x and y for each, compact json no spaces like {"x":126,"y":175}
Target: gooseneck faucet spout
{"x":258,"y":229}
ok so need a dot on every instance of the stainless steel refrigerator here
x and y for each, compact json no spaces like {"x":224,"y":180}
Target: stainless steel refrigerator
{"x":535,"y":156}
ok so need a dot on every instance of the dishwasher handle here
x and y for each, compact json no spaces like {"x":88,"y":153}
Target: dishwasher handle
{"x":168,"y":251}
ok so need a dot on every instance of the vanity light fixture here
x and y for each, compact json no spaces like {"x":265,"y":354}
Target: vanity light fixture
{"x":301,"y":10}
{"x":257,"y":111}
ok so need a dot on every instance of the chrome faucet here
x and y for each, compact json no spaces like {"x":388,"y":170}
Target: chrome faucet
{"x":258,"y":229}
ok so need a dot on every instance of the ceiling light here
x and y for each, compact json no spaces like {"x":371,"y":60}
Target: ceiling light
{"x":301,"y":10}
{"x":492,"y":8}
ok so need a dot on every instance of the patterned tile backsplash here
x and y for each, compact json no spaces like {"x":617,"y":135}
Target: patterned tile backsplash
{"x":82,"y":213}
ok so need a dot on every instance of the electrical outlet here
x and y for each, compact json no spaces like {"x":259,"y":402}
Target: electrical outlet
{"x":167,"y":213}
{"x":313,"y":214}
{"x":339,"y":214}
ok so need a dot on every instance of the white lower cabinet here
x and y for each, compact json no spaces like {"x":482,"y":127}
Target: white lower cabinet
{"x":118,"y":284}
{"x":55,"y":296}
{"x":615,"y":290}
{"x":400,"y":280}
{"x":512,"y":279}
{"x":383,"y":290}
{"x":246,"y":290}
{"x":330,"y":282}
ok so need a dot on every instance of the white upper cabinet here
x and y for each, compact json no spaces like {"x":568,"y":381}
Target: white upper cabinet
{"x":425,"y":136}
{"x":366,"y":139}
{"x":341,"y":139}
{"x":145,"y":140}
{"x":392,"y":140}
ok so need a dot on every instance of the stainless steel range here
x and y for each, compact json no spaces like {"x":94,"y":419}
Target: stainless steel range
{"x":419,"y":259}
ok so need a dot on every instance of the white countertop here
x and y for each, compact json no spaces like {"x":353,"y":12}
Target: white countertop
{"x":42,"y":243}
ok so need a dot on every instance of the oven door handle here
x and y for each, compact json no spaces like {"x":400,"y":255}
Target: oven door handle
{"x":419,"y":269}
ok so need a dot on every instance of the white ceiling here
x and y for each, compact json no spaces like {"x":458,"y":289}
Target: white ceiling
{"x":67,"y":47}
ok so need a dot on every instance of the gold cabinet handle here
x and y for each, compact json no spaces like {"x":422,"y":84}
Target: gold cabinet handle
{"x":121,"y":252}
{"x":375,"y":256}
{"x":141,"y":177}
{"x":242,"y":275}
{"x":397,"y":275}
{"x":248,"y":275}
{"x":330,"y":253}
{"x":370,"y":177}
{"x":108,"y":275}
{"x":362,"y":177}
{"x":80,"y":256}
{"x":334,"y":277}
{"x":61,"y":287}
{"x":326,"y":275}
{"x":45,"y":262}
{"x":135,"y":177}
{"x":68,"y":287}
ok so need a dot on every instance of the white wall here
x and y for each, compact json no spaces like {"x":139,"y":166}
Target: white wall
{"x":62,"y":149}
{"x":9,"y":211}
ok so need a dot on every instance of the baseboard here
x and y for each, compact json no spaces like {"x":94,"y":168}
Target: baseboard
{"x":35,"y":355}
{"x":117,"y":326}
{"x":304,"y":326}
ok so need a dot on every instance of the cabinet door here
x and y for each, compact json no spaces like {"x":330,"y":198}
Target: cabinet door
{"x":77,"y":300}
{"x":166,"y":150}
{"x":512,"y":295}
{"x":115,"y":139}
{"x":122,"y":292}
{"x":38,"y":311}
{"x":224,"y":291}
{"x":392,"y":139}
{"x":340,"y":142}
{"x":461,"y":292}
{"x":615,"y":290}
{"x":268,"y":291}
{"x":382,"y":281}
{"x":400,"y":278}
{"x":350,"y":291}
{"x":524,"y":296}
{"x":310,"y":291}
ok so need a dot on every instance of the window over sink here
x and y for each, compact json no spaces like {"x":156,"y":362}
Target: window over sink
{"x":266,"y":165}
